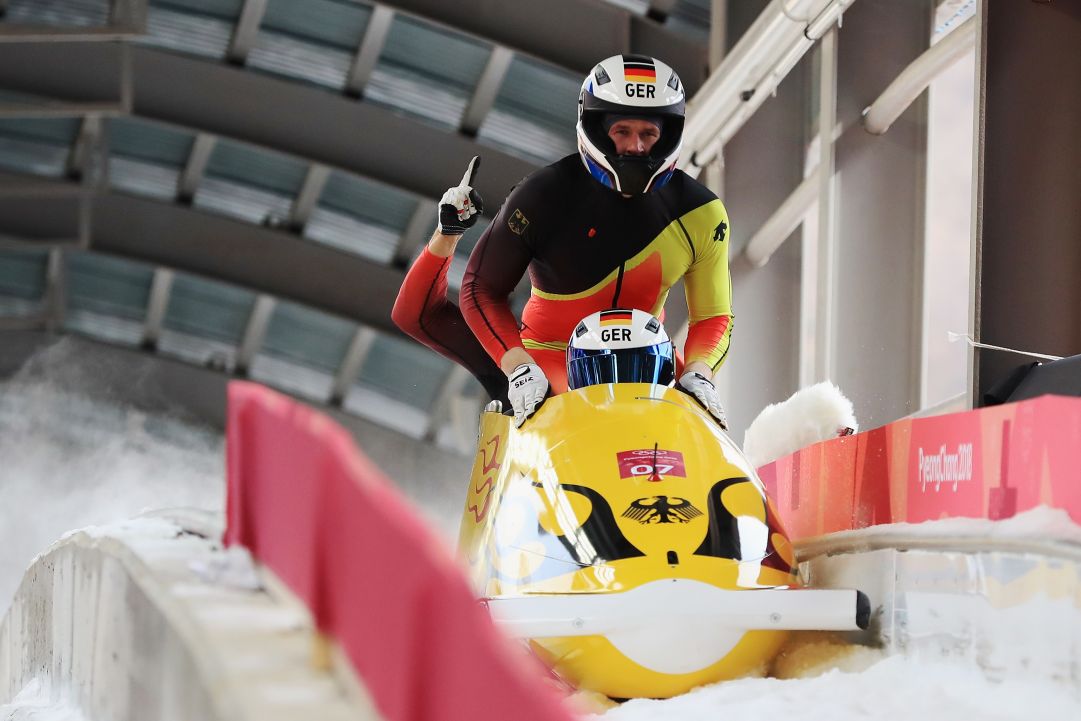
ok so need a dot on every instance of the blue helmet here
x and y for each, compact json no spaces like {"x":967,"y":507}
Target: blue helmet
{"x":619,"y":346}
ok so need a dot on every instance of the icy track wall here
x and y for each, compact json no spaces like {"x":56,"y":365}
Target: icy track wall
{"x":379,"y":584}
{"x":962,"y":528}
{"x":368,"y":616}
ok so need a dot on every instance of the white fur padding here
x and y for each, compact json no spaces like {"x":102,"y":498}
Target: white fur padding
{"x":809,"y":416}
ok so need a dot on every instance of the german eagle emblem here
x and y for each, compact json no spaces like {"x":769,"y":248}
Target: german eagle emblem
{"x":662,"y":509}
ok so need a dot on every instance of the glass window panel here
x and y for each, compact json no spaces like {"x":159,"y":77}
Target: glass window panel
{"x":74,"y":13}
{"x":638,"y":7}
{"x":404,"y":371}
{"x":524,"y":138}
{"x":55,"y":131}
{"x":205,"y":321}
{"x":224,"y":9}
{"x":256,"y":167}
{"x":243,"y":202}
{"x":208,"y":308}
{"x":314,"y":41}
{"x":39,"y":146}
{"x":362,"y":198}
{"x":325,"y":22}
{"x":540,"y":91}
{"x":147,"y":179}
{"x":200,"y":351}
{"x":107,"y":297}
{"x":387,"y":412}
{"x":691,"y":18}
{"x":144,"y":140}
{"x":353,"y":235}
{"x":427,"y":72}
{"x":194,"y":27}
{"x":113,"y":286}
{"x":416,"y":96}
{"x":307,"y":337}
{"x":535,"y":112}
{"x":441,"y":54}
{"x":292,"y":377}
{"x":295,"y":58}
{"x":22,"y":281}
{"x":22,"y":273}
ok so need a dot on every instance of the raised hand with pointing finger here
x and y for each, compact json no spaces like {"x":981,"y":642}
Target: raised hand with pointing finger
{"x":460,"y":205}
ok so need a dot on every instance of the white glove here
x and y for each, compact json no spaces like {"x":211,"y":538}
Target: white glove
{"x":705,"y":392}
{"x":460,"y":205}
{"x":527,"y":388}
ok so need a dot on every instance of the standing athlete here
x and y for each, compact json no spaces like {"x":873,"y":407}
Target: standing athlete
{"x":614,"y":226}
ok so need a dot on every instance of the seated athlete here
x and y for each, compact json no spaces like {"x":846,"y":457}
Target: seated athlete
{"x":613,"y":226}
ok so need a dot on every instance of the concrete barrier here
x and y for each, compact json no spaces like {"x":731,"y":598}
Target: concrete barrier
{"x":117,"y":624}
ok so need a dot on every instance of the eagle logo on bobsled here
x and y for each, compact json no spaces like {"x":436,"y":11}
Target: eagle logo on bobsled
{"x":662,"y":509}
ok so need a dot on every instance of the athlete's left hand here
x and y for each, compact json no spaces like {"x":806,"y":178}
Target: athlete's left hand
{"x":527,"y":389}
{"x":704,"y":392}
{"x":461,"y":205}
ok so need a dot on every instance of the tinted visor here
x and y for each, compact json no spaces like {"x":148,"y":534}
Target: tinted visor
{"x":632,"y":365}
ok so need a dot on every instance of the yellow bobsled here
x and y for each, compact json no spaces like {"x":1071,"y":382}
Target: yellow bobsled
{"x":623,"y":534}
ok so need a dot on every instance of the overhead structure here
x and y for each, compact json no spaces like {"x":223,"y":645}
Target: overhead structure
{"x":751,"y":72}
{"x":908,"y":86}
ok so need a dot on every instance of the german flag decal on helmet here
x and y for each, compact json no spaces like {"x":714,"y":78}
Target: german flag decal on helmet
{"x":616,"y":317}
{"x":639,"y":69}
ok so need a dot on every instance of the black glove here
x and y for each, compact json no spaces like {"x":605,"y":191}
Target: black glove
{"x":460,"y":205}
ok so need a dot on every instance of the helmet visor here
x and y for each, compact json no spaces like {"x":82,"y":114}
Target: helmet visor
{"x":631,"y":365}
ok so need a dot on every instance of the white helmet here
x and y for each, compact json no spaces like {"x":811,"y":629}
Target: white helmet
{"x":641,"y":87}
{"x":619,"y":346}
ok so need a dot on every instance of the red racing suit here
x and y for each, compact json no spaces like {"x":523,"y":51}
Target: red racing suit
{"x":423,"y":311}
{"x":588,"y":248}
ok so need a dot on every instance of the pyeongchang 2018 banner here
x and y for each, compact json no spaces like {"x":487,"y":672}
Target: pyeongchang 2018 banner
{"x":988,"y":463}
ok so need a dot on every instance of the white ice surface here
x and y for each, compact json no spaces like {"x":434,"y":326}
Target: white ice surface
{"x":34,"y":704}
{"x":1041,"y":523}
{"x":894,"y":689}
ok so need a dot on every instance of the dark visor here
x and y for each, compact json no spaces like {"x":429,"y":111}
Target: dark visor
{"x":633,"y":365}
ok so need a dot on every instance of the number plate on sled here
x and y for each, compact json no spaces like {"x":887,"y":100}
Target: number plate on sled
{"x":641,"y":463}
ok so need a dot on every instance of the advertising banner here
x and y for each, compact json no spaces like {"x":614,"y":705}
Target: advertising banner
{"x":989,"y":463}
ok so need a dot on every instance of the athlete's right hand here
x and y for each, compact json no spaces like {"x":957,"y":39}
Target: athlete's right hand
{"x":527,"y":387}
{"x":460,"y":205}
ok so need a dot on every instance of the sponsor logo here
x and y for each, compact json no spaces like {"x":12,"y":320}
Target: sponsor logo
{"x":649,"y":462}
{"x":661,"y":509}
{"x":719,"y":231}
{"x":944,"y":468}
{"x":602,"y":76}
{"x":517,"y":222}
{"x":673,"y":82}
{"x":653,"y":326}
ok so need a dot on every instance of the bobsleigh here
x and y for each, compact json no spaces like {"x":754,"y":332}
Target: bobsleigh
{"x":625,"y":537}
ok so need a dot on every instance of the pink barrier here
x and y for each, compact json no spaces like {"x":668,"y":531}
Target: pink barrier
{"x":988,"y":463}
{"x":311,"y":507}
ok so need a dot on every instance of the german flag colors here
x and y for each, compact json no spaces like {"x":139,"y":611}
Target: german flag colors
{"x":639,"y":71}
{"x":615,"y":317}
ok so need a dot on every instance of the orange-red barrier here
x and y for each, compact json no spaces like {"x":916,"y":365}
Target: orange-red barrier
{"x":988,"y":463}
{"x":311,"y":507}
